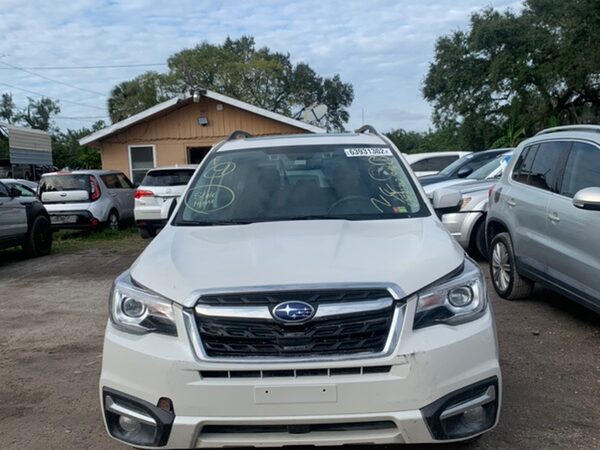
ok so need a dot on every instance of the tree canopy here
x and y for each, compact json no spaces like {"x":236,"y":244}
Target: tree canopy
{"x":238,"y":69}
{"x":512,"y":74}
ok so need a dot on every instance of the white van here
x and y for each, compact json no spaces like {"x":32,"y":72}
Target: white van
{"x":303,"y":292}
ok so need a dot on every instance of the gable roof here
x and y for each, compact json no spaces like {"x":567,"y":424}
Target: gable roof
{"x":187,"y":98}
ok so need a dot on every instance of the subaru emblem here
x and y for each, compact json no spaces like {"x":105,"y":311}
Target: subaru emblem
{"x":293,"y":312}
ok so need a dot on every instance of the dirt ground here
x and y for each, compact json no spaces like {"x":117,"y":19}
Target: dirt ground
{"x":52,"y":316}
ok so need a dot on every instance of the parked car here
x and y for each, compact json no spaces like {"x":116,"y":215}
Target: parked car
{"x":25,"y":187}
{"x":302,"y":292}
{"x":467,"y":222}
{"x":156,"y":194}
{"x":464,"y":166}
{"x":544,"y":217}
{"x":431,"y":163}
{"x":24,"y":221}
{"x":87,"y":198}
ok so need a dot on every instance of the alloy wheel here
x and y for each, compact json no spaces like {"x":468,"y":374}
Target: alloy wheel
{"x":501,"y":268}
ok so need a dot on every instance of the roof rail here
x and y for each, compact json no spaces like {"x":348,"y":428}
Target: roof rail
{"x":367,"y":128}
{"x":589,"y":128}
{"x":238,"y":134}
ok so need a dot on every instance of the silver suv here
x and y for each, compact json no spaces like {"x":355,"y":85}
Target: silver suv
{"x":544,"y":217}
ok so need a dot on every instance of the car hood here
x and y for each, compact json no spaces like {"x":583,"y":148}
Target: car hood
{"x":454,"y":182}
{"x":430,"y":179}
{"x":410,"y":253}
{"x":476,"y":186}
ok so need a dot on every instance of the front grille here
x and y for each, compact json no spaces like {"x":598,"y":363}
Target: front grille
{"x":364,"y":332}
{"x":300,"y":428}
{"x":313,"y":297}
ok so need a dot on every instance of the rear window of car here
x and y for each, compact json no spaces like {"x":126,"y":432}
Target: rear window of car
{"x":72,"y":182}
{"x":168,"y":177}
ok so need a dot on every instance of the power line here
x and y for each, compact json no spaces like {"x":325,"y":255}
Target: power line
{"x":81,"y":118}
{"x":51,"y":79}
{"x":114,"y":66}
{"x":47,"y":96}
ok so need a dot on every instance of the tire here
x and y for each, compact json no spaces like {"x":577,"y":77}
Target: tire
{"x":147,"y":233}
{"x":508,"y":283}
{"x":39,"y":238}
{"x":112,"y":223}
{"x":478,"y":242}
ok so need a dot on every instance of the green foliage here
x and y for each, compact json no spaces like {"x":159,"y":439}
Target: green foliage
{"x":66,"y":151}
{"x":513,"y":74}
{"x":38,"y":114}
{"x":238,"y":69}
{"x":444,"y":139}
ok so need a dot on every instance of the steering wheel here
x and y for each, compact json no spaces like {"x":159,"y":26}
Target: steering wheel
{"x":349,"y":198}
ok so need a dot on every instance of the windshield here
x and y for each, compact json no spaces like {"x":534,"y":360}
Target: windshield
{"x":52,"y":183}
{"x":300,"y":183}
{"x":488,"y":169}
{"x":449,"y":170}
{"x":168,"y":177}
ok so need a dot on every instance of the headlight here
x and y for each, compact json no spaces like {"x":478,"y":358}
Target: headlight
{"x":137,"y":310}
{"x":464,"y":203}
{"x":454,"y":299}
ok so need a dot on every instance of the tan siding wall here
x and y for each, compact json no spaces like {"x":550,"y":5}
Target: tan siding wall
{"x":174,"y":132}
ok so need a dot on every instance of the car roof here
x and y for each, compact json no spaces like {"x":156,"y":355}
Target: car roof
{"x":296,"y":140}
{"x":414,"y":157}
{"x":83,"y":172}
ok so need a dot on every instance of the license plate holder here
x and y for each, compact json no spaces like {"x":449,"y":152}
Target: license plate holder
{"x":325,"y":393}
{"x":63,"y":219}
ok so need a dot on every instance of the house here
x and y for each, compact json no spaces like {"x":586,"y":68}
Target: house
{"x":182,"y":131}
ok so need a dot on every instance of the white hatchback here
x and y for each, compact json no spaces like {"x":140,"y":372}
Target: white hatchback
{"x":157,"y":194}
{"x":303,"y":292}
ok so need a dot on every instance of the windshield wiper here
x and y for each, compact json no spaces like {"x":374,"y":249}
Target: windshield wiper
{"x":209,"y":223}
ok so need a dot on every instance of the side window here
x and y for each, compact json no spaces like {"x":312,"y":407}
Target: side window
{"x":421,"y":166}
{"x":523,"y":165}
{"x":582,"y":169}
{"x":547,"y":165}
{"x":25,"y":192}
{"x":441,"y":162}
{"x":111,"y":181}
{"x":3,"y":191}
{"x":124,"y":182}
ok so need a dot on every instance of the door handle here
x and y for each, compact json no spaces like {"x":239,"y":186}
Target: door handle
{"x":511,"y":202}
{"x":554,"y":217}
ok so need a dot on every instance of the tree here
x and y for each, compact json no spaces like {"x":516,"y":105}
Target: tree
{"x":238,"y":69}
{"x":130,"y":97}
{"x":7,"y":108}
{"x":66,"y":151}
{"x":39,"y":113}
{"x":514,"y":71}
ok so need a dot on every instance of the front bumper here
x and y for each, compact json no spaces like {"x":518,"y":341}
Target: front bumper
{"x":428,"y":364}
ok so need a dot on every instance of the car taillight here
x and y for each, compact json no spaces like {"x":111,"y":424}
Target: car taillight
{"x":139,"y":193}
{"x":94,"y":189}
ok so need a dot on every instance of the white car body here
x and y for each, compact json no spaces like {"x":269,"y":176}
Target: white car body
{"x":396,"y":395}
{"x":432,"y":158}
{"x":152,"y":202}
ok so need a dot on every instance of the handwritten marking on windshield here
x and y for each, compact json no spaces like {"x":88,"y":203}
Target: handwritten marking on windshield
{"x":209,"y":198}
{"x":387,"y":193}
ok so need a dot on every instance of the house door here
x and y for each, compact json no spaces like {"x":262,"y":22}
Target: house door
{"x":197,"y":154}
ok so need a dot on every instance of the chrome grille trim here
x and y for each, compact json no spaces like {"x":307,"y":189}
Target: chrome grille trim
{"x":189,"y":319}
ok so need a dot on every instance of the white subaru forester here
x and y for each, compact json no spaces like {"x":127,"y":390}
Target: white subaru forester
{"x":303,"y":292}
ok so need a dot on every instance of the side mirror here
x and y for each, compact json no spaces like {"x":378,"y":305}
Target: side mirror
{"x":464,"y":172}
{"x":588,"y":198}
{"x":14,"y":192}
{"x":446,"y":200}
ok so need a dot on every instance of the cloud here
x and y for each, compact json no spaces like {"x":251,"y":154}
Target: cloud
{"x":382,"y":47}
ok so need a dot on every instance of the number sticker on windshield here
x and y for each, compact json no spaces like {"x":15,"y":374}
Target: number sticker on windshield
{"x":368,"y":151}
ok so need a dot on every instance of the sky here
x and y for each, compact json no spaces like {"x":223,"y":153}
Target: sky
{"x":382,"y":47}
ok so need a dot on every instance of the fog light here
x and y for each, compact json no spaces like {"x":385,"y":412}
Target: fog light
{"x":474,"y":416}
{"x":461,"y":296}
{"x":133,"y":308}
{"x":129,"y":425}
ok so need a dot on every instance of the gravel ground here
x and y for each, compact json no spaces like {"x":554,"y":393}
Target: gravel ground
{"x":52,"y":317}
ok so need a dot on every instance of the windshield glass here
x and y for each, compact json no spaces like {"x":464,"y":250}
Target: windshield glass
{"x":300,"y":183}
{"x":449,"y":170}
{"x":168,"y":177}
{"x":53,"y":183}
{"x":488,"y":169}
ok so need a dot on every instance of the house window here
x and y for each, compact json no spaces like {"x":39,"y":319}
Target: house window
{"x":142,"y":160}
